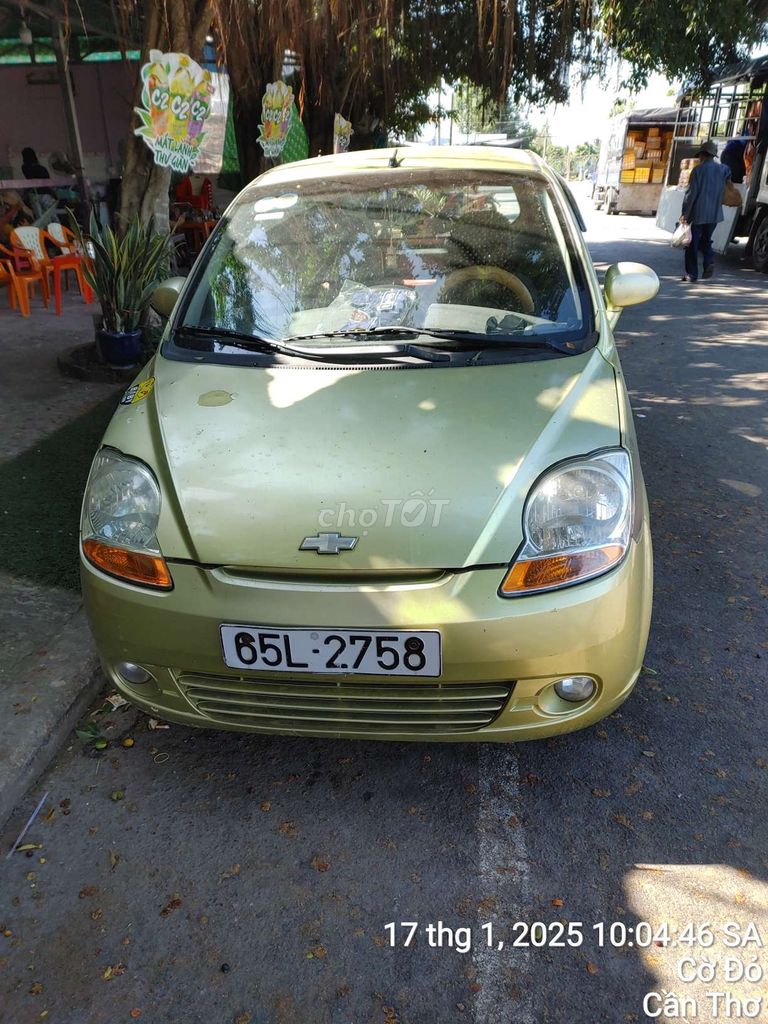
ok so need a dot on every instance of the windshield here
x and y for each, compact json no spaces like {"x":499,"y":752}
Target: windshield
{"x":341,"y":262}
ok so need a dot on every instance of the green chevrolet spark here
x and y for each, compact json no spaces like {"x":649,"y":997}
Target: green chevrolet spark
{"x":381,"y":478}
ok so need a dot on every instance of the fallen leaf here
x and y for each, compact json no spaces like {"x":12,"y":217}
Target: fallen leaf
{"x":624,"y":820}
{"x":649,"y":753}
{"x":88,"y":891}
{"x":243,"y":1018}
{"x":36,"y":988}
{"x":96,"y":914}
{"x":287,"y":828}
{"x":591,"y":968}
{"x":319,"y":864}
{"x":266,"y":805}
{"x":117,"y":794}
{"x":556,"y":903}
{"x":116,"y":700}
{"x":632,"y":788}
{"x":230,"y":872}
{"x":113,"y":972}
{"x":135,"y":1013}
{"x":173,"y":904}
{"x":601,"y":792}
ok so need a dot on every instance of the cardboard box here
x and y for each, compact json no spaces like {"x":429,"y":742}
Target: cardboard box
{"x":627,"y":177}
{"x":657,"y":174}
{"x":654,"y":154}
{"x":639,"y":150}
{"x":628,"y":160}
{"x":642,"y":175}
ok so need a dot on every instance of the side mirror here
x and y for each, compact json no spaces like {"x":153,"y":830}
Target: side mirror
{"x":165,"y":296}
{"x":627,"y":284}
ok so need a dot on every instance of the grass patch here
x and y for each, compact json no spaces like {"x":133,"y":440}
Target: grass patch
{"x":41,"y":491}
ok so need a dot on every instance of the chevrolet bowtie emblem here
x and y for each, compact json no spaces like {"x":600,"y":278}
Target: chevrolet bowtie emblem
{"x":328,"y":543}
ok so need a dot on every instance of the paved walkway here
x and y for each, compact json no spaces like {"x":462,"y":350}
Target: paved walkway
{"x":45,"y":649}
{"x":35,"y":400}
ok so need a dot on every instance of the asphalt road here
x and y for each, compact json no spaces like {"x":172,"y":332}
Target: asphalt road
{"x":246,"y":879}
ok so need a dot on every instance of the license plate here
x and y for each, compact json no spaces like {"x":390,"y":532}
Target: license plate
{"x":361,"y":652}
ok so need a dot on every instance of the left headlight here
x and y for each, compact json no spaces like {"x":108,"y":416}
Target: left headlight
{"x":121,"y":510}
{"x":577,"y":524}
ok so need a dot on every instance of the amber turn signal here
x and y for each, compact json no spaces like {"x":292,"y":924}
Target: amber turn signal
{"x":557,"y":570}
{"x":134,"y":566}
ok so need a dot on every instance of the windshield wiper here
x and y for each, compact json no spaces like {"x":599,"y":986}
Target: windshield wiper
{"x":254,"y":343}
{"x":459,"y":339}
{"x":241,"y":339}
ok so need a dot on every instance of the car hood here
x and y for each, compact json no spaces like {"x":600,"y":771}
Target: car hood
{"x":426,"y":468}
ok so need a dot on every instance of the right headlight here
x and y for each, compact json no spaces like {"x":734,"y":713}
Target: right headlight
{"x":577,"y":524}
{"x":121,"y":510}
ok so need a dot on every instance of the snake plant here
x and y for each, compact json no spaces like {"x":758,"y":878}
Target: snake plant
{"x":124,"y":270}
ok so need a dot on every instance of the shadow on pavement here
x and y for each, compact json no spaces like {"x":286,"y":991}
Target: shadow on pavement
{"x":42,"y":490}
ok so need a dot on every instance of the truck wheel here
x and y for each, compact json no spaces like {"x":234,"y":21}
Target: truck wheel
{"x":759,"y":245}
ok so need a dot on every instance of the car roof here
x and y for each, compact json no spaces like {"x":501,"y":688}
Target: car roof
{"x":480,"y":158}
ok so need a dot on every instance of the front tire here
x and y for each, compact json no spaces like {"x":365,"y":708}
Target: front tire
{"x":759,"y":245}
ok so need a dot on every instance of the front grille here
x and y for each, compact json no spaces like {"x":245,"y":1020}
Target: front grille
{"x":374,"y":708}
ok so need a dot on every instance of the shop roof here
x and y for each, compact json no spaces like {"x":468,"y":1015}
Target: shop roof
{"x":745,"y":69}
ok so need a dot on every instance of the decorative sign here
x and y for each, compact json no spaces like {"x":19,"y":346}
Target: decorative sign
{"x":342,"y":133}
{"x":296,"y":142}
{"x":175,"y":104}
{"x":276,"y":117}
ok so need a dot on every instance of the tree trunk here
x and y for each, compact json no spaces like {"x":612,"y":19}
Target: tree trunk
{"x":177,"y":26}
{"x":155,"y":200}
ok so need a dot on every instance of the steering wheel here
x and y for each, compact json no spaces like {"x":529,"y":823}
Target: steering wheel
{"x":499,"y":276}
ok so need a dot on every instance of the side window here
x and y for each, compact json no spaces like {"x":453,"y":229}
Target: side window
{"x":572,"y":202}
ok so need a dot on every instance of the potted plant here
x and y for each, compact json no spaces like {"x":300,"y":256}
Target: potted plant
{"x":123,"y":271}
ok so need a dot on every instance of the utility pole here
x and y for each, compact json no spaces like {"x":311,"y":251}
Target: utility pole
{"x":70,"y":112}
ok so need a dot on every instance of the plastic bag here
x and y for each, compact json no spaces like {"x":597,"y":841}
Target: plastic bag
{"x":681,"y":237}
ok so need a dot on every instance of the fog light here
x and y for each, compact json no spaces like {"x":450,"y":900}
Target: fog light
{"x":575,"y":688}
{"x":133,"y":673}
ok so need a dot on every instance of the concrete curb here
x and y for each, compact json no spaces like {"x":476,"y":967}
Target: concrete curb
{"x":42,"y":707}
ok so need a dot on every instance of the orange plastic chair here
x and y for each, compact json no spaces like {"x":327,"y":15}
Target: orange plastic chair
{"x":71,"y":258}
{"x":8,"y":278}
{"x":27,"y":273}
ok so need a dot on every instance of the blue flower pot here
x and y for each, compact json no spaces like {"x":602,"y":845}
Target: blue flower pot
{"x":120,"y":349}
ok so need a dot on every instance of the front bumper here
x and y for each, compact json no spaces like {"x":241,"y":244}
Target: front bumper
{"x":507,"y":650}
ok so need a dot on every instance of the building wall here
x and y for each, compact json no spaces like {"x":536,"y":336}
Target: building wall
{"x":34,"y":113}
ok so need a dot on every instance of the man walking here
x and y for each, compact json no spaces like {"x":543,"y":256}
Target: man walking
{"x":703,"y":210}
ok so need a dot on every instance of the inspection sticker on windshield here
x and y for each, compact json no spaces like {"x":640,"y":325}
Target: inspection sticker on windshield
{"x":138,"y":392}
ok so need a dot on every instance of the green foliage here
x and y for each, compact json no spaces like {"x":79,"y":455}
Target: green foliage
{"x":689,"y":39}
{"x":124,"y":270}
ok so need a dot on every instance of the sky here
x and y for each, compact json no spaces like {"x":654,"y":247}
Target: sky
{"x":584,"y":117}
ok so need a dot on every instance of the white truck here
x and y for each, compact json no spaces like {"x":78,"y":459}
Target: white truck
{"x":631,"y":166}
{"x":734,"y":108}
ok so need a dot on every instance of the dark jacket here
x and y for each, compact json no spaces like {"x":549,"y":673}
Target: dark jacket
{"x":703,"y":199}
{"x":732,"y":157}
